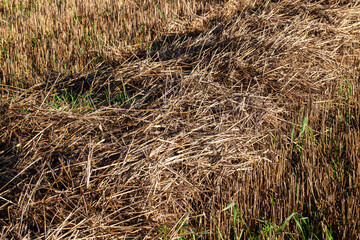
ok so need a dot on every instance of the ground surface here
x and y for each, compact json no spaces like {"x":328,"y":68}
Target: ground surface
{"x":179,"y":119}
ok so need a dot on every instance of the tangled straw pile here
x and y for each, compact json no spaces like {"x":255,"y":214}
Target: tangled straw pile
{"x":255,"y":104}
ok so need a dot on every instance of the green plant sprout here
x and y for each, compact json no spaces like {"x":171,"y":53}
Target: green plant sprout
{"x":298,"y":141}
{"x":68,"y":100}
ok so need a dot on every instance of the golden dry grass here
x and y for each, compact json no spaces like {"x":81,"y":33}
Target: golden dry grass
{"x":145,"y":119}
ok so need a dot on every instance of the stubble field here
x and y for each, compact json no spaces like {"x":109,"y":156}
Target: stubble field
{"x":179,"y":119}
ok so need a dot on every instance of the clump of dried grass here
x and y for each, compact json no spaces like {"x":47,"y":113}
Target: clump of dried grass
{"x":200,"y":134}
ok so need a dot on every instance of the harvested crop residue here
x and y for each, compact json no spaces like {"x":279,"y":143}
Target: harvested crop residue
{"x":147,"y":119}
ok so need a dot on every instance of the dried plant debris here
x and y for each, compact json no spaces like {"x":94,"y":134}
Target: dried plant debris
{"x":180,"y":120}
